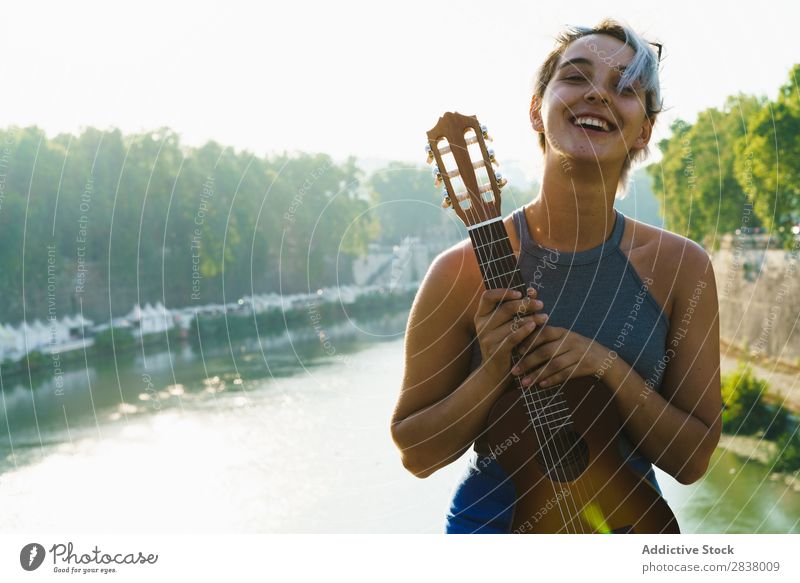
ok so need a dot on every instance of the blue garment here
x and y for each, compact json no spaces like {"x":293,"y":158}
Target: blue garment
{"x":598,"y":294}
{"x":483,"y":499}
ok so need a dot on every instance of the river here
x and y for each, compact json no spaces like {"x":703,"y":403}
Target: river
{"x":277,"y":435}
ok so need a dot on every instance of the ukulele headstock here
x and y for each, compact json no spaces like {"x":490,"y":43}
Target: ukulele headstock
{"x":462,"y":162}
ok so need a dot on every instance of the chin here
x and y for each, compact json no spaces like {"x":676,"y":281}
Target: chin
{"x":585,"y":155}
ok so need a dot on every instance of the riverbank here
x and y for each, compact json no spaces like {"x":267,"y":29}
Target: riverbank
{"x":783,"y":377}
{"x":320,"y":316}
{"x":302,"y":441}
{"x":755,"y":449}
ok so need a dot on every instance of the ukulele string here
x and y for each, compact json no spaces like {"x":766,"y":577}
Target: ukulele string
{"x":558,"y":434}
{"x":510,"y":269}
{"x":586,"y":476}
{"x":484,"y":249}
{"x":568,"y":446}
{"x":545,"y":443}
{"x":552,"y":437}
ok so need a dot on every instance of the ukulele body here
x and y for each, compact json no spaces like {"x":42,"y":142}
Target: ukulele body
{"x":601,"y":492}
{"x":592,"y":490}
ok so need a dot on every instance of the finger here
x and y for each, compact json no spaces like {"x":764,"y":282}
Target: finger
{"x":500,"y":342}
{"x":553,"y":367}
{"x":539,"y":357}
{"x":491,"y":297}
{"x":523,"y":344}
{"x":520,"y":328}
{"x":512,"y":310}
{"x":561,"y":376}
{"x":541,"y":319}
{"x":512,"y":332}
{"x":520,"y":308}
{"x":527,"y":305}
{"x":543,"y":335}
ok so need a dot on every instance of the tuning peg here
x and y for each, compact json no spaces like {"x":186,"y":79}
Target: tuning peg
{"x":430,"y":153}
{"x":438,"y":176}
{"x":492,"y":159}
{"x":485,"y":133}
{"x":501,"y":182}
{"x":446,"y":202}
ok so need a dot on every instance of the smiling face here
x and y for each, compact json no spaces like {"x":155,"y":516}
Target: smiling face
{"x":582,"y":114}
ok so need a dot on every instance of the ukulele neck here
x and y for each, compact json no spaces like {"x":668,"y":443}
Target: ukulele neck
{"x":498,"y":265}
{"x":496,"y":258}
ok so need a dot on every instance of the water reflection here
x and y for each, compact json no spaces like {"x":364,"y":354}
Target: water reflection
{"x":165,"y":375}
{"x":735,"y":497}
{"x":271,"y":434}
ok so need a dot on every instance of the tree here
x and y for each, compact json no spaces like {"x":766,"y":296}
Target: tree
{"x":405,"y":202}
{"x":768,"y":161}
{"x":695,"y":181}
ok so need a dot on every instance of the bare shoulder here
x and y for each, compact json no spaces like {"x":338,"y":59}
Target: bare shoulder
{"x":672,"y":262}
{"x":437,"y":347}
{"x":451,"y":286}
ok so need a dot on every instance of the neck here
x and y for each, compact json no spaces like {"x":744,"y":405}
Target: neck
{"x":575,"y":207}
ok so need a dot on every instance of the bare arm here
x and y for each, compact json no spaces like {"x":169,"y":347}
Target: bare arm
{"x":442,"y":408}
{"x":679,"y":428}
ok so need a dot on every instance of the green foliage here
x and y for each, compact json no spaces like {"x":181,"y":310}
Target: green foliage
{"x":406,"y":202}
{"x":787,"y":453}
{"x":145,"y":216}
{"x":767,"y":160}
{"x":744,"y":410}
{"x":781,"y":421}
{"x":734,"y":168}
{"x":35,"y":359}
{"x":119,"y":340}
{"x":701,"y":196}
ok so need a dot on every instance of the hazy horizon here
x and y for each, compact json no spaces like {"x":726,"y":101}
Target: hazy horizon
{"x":344,"y":79}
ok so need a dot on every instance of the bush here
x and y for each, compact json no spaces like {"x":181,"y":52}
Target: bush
{"x":787,"y":454}
{"x":122,"y":340}
{"x":744,"y":409}
{"x":36,"y":359}
{"x":781,"y":421}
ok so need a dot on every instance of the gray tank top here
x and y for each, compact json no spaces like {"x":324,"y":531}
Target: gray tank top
{"x":598,"y":294}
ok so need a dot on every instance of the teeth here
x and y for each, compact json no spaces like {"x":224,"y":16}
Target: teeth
{"x":592,"y":121}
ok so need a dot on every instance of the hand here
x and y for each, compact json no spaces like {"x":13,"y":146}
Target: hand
{"x":554,"y":355}
{"x":503,"y":319}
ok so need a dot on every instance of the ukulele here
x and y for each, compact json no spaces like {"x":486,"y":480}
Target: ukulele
{"x":558,"y":444}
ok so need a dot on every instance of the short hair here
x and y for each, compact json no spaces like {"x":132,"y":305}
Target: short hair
{"x":642,"y":68}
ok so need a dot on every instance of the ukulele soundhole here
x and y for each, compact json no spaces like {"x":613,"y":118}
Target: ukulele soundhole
{"x":563,"y":457}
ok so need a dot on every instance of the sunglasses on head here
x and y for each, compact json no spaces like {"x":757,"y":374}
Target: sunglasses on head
{"x":590,"y":30}
{"x":658,"y":46}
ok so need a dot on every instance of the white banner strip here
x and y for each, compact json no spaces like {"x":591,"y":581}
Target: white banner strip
{"x":401,"y":558}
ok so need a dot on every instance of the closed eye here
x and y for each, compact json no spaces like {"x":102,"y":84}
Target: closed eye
{"x":629,"y":90}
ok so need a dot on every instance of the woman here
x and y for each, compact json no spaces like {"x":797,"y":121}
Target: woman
{"x":631,"y":304}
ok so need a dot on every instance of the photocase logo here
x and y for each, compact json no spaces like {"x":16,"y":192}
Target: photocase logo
{"x":31,"y":556}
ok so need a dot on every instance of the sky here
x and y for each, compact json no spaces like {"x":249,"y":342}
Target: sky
{"x":354,"y":78}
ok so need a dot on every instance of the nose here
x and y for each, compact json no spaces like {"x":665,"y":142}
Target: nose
{"x":596,"y":93}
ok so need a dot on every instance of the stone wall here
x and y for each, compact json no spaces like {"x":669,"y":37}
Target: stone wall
{"x":759,"y":296}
